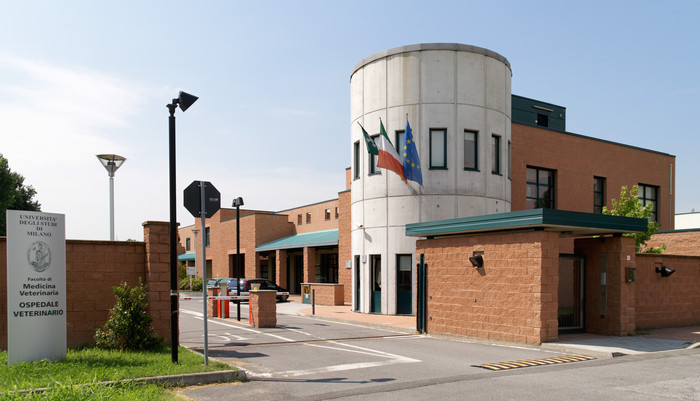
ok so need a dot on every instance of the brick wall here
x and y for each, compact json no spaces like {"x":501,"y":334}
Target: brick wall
{"x":512,"y":298}
{"x":345,"y":245}
{"x":328,"y":294}
{"x":578,"y":159}
{"x":667,"y":301}
{"x":93,"y":268}
{"x":682,"y":242}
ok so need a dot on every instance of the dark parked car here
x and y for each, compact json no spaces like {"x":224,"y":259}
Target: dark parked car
{"x":246,"y":284}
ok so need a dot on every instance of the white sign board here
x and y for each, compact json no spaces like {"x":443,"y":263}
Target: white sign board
{"x":191,"y":270}
{"x":36,"y":286}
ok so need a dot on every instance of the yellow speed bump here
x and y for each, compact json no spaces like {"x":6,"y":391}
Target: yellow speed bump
{"x":535,"y":362}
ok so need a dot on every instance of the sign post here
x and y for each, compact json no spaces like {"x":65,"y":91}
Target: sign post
{"x":202,"y":199}
{"x":36,"y":286}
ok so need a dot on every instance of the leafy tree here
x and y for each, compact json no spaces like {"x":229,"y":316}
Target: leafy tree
{"x":13,"y":193}
{"x":129,"y":325}
{"x":631,"y":206}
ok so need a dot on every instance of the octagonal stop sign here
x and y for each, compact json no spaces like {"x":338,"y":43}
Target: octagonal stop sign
{"x":193,"y":198}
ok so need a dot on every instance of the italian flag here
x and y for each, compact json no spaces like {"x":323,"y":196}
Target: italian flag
{"x":388,"y":158}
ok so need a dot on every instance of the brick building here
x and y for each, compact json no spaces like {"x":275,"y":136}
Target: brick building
{"x":484,"y":151}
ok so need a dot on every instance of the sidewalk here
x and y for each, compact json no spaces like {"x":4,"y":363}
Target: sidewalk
{"x":600,"y":346}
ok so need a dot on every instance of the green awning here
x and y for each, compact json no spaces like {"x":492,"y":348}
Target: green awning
{"x":305,"y":240}
{"x":186,"y":257}
{"x":567,"y":223}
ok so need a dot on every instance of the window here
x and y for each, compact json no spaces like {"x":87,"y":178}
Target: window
{"x":356,"y":161}
{"x":308,"y":217}
{"x":328,"y":273}
{"x":400,"y":138}
{"x":540,"y":188}
{"x":298,"y":219}
{"x":373,"y":169}
{"x":328,"y":214}
{"x":187,"y":244}
{"x":598,"y":194}
{"x":542,"y":120}
{"x":510,"y":160}
{"x":496,"y":154}
{"x":438,"y":148}
{"x":207,"y":239}
{"x":404,"y":270}
{"x":471,"y":150}
{"x":337,"y":212}
{"x":650,"y":194}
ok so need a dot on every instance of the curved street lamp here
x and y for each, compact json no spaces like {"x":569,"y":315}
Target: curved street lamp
{"x":111,"y":163}
{"x":184,"y":101}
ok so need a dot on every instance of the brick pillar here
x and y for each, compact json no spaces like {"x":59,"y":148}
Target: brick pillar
{"x":156,"y":235}
{"x":309,"y":265}
{"x":281,"y":268}
{"x":549,"y":286}
{"x":263,"y":308}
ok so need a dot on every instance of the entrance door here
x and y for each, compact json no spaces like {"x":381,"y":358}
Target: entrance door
{"x":295,"y":273}
{"x":404,"y":284}
{"x":376,"y":283}
{"x":571,"y":281}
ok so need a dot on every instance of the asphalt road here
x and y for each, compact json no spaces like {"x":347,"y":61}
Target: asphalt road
{"x":311,"y":359}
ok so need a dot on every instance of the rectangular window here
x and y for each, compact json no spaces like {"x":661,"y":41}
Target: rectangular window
{"x":337,"y":212}
{"x":471,"y":150}
{"x":356,"y":161}
{"x":542,"y":120}
{"x":650,"y":194}
{"x":496,"y":154}
{"x":598,"y":194}
{"x":207,"y":239}
{"x":328,"y":214}
{"x":187,"y":244}
{"x":299,"y":220}
{"x":438,"y":148}
{"x":373,"y":169}
{"x":399,"y":144}
{"x":510,"y":160}
{"x":404,"y":270}
{"x":308,"y":217}
{"x":540,"y":188}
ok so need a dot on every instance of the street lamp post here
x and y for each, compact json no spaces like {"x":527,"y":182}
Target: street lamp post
{"x":184,"y":101}
{"x":237,"y":203}
{"x":111,"y":163}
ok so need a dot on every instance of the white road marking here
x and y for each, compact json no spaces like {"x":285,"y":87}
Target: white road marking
{"x":392,"y":359}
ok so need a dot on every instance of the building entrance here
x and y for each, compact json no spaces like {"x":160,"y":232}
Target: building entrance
{"x":375,"y":284}
{"x":571,"y":282}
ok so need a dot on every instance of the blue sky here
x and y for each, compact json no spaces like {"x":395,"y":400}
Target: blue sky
{"x":272,"y":124}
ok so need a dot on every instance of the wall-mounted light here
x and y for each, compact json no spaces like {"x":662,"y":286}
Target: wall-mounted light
{"x":665,"y":271}
{"x":477,"y":260}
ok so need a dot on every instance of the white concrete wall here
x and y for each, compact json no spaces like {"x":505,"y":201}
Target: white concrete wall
{"x":450,"y":86}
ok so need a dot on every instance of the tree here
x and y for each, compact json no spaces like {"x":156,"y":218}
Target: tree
{"x":631,"y":206}
{"x":13,"y":193}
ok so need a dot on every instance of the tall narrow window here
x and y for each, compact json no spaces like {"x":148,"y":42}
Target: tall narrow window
{"x":356,"y":160}
{"x":438,"y":148}
{"x":373,"y":169}
{"x":510,"y":160}
{"x":471,"y":150}
{"x":399,"y":144}
{"x":187,"y":244}
{"x":650,"y":194}
{"x":540,"y":188}
{"x":207,"y":238}
{"x":496,"y":154}
{"x":298,"y":219}
{"x":328,"y":214}
{"x":598,"y":194}
{"x":337,"y":212}
{"x":308,"y":217}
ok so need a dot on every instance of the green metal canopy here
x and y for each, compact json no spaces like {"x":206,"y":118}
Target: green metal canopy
{"x":186,"y":257}
{"x":568,"y":223}
{"x":305,"y":240}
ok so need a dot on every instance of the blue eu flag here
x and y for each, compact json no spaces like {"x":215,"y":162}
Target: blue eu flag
{"x":411,"y":161}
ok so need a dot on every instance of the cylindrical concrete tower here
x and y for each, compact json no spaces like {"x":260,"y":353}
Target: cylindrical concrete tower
{"x":457,"y":100}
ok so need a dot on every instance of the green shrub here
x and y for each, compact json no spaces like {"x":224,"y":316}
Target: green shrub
{"x":196,"y":284}
{"x":129,"y":325}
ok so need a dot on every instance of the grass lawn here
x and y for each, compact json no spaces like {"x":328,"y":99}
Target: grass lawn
{"x":89,"y":366}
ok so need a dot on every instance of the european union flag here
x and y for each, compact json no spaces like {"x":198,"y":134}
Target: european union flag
{"x":411,"y":161}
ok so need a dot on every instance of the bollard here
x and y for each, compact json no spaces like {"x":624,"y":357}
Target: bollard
{"x":313,"y":302}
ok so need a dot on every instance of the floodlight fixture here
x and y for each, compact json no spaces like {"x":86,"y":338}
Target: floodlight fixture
{"x":111,"y":163}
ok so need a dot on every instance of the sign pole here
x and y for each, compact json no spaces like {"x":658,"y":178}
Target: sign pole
{"x":203,"y":263}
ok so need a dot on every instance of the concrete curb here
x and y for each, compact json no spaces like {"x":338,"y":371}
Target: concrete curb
{"x":405,"y":330}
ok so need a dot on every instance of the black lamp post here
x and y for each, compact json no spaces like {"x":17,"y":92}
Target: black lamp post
{"x":184,"y":101}
{"x":237,"y":203}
